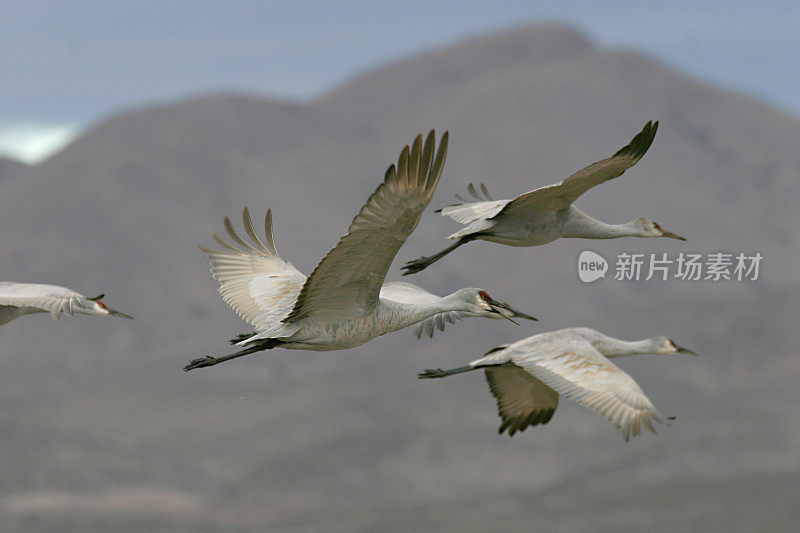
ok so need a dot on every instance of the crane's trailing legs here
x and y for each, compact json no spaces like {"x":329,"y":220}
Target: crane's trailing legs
{"x":208,"y":360}
{"x":412,"y":267}
{"x":439,"y":373}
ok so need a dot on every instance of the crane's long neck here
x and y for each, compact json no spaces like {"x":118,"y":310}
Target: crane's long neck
{"x":611,"y":347}
{"x":581,"y":225}
{"x":397,"y":315}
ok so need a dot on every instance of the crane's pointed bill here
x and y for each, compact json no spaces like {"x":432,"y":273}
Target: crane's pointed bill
{"x":505,"y":311}
{"x":114,"y":312}
{"x":681,"y":349}
{"x":665,"y":233}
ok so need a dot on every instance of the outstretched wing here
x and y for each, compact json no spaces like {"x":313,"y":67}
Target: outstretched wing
{"x":408,"y":293}
{"x":253,"y":279}
{"x":349,"y":279}
{"x":522,"y":400}
{"x":561,"y":195}
{"x":581,"y":373}
{"x":49,"y":298}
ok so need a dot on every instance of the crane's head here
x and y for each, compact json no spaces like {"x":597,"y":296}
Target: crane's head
{"x":647,"y":228}
{"x":477,"y":302}
{"x":99,"y":308}
{"x":664,"y":345}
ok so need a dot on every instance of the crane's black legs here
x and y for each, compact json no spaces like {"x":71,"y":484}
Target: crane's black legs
{"x":412,"y":267}
{"x":208,"y":360}
{"x":439,"y":373}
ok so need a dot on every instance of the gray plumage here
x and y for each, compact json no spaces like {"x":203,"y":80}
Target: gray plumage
{"x":527,"y":377}
{"x":17,"y":299}
{"x":546,"y":214}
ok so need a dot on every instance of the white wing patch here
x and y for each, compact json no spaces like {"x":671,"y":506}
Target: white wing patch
{"x":471,"y":212}
{"x":260,"y":286}
{"x":476,"y":216}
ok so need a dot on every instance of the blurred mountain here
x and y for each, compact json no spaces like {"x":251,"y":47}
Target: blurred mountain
{"x":350,"y":440}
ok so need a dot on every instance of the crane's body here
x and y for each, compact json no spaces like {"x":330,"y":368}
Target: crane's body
{"x":17,"y":299}
{"x":388,"y":316}
{"x":527,"y":377}
{"x":544,"y":227}
{"x":344,"y":302}
{"x":545,"y":214}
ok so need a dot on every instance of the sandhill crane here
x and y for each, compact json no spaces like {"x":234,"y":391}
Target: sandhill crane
{"x":340,"y":305}
{"x":526,"y":378}
{"x":408,"y":293}
{"x":546,"y":214}
{"x":17,"y":299}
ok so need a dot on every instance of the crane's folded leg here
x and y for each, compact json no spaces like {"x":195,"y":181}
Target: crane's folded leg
{"x":208,"y":360}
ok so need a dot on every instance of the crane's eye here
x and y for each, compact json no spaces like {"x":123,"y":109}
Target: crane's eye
{"x":102,"y":305}
{"x":672,"y":342}
{"x":485,"y":296}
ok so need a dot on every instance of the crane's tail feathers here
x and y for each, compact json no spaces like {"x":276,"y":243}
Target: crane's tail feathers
{"x":474,"y":193}
{"x":417,"y":265}
{"x":207,"y":360}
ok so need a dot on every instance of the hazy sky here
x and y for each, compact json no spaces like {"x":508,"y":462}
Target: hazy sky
{"x":66,"y":64}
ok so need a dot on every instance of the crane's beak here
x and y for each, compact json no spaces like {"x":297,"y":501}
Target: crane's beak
{"x":114,"y":312}
{"x":665,"y":233}
{"x":507,"y":312}
{"x":681,"y":349}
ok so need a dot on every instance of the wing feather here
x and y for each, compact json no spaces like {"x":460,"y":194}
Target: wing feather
{"x":259,"y":285}
{"x":522,"y":400}
{"x":581,"y":373}
{"x":560,"y":195}
{"x":347,"y":282}
{"x":50,"y":298}
{"x":247,"y":222}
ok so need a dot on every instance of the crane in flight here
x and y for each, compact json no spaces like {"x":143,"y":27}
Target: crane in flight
{"x":546,"y":214}
{"x":340,"y":304}
{"x":17,"y":299}
{"x":527,"y":377}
